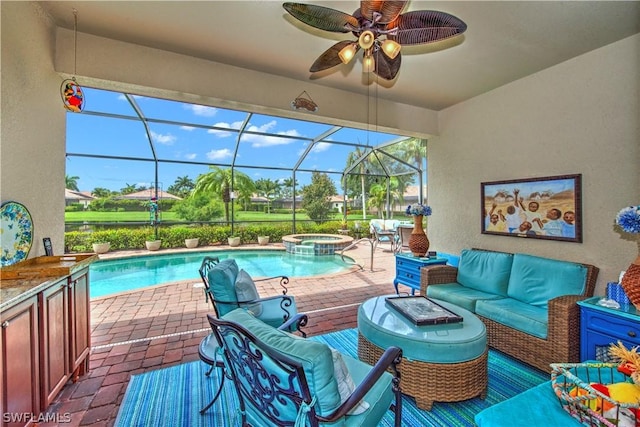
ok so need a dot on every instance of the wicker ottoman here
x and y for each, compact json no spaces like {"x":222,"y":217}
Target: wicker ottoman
{"x":441,"y":363}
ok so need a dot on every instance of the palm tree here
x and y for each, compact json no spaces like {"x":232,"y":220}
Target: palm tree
{"x":377,"y":198}
{"x":181,"y":187}
{"x":287,"y":188}
{"x":267,"y":188}
{"x":128,"y":189}
{"x":221,"y":182}
{"x":351,"y":159}
{"x":101,"y":192}
{"x":71,"y":182}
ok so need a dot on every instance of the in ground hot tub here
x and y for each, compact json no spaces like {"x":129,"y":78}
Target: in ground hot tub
{"x":315,"y":244}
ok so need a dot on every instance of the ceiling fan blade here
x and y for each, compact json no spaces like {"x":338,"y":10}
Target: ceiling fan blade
{"x":320,"y":17}
{"x":388,"y":9}
{"x":330,"y":57}
{"x":386,"y":67}
{"x":425,"y":26}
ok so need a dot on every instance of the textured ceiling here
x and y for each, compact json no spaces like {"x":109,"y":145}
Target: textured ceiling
{"x":505,"y":40}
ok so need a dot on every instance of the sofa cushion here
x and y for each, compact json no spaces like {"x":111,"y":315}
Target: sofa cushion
{"x":485,"y":271}
{"x":535,"y":280}
{"x":222,"y":280}
{"x":515,"y":314}
{"x":315,"y":357}
{"x":459,"y":295}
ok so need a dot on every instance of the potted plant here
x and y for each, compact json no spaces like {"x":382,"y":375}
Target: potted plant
{"x":152,"y":243}
{"x":101,"y":247}
{"x":263,"y":240}
{"x":192,"y":243}
{"x":234,"y":240}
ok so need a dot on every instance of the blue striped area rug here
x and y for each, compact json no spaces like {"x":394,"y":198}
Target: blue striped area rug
{"x":173,"y":396}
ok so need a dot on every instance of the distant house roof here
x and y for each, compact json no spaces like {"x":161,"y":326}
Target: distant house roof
{"x":148,"y":195}
{"x":337,"y":198}
{"x":259,"y":199}
{"x":71,"y":195}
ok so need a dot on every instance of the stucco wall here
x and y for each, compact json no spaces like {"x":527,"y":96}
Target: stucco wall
{"x":32,"y":137}
{"x":582,"y":116}
{"x":153,"y":72}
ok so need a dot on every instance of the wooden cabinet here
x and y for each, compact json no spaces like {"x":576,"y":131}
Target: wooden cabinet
{"x":45,"y":335}
{"x":601,"y":326}
{"x":80,"y":323}
{"x":19,"y":362}
{"x":54,"y":329}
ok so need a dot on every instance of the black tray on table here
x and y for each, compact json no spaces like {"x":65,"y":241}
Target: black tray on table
{"x":422,"y":310}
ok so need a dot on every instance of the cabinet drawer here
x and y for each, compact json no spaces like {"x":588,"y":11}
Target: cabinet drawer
{"x":614,"y":327}
{"x":408,"y":276}
{"x":595,"y":346}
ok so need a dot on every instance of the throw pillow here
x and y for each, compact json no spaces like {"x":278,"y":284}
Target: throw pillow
{"x":346,"y":386}
{"x":246,"y":291}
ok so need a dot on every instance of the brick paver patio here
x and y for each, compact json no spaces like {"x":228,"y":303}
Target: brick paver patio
{"x":160,"y":326}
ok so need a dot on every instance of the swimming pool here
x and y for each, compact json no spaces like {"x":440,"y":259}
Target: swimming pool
{"x":126,"y":274}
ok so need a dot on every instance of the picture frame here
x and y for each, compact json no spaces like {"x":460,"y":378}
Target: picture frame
{"x":422,"y":310}
{"x":550,"y":206}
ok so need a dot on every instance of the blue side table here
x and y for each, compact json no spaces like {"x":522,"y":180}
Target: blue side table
{"x":408,"y":270}
{"x":601,"y":326}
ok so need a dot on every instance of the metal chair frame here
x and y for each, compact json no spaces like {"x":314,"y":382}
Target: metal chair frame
{"x":255,"y":367}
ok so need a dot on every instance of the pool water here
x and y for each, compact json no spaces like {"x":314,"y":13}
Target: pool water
{"x":126,"y":274}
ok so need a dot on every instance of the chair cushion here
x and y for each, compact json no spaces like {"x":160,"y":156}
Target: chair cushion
{"x":379,"y":397}
{"x":222,"y":280}
{"x":246,"y":291}
{"x":346,"y":386}
{"x":485,"y":271}
{"x":535,"y":280}
{"x":315,"y":357}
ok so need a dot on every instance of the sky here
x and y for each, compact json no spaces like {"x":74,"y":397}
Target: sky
{"x":91,"y":134}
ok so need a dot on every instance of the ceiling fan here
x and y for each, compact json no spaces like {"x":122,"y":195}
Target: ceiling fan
{"x":381,"y":30}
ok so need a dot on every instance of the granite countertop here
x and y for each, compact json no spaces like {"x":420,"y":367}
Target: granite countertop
{"x":14,"y":291}
{"x":21,"y":281}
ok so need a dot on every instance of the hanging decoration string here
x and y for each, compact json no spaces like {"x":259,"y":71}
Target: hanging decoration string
{"x":70,"y":91}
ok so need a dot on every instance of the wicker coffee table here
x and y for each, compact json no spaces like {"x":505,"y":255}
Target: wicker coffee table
{"x":441,"y":363}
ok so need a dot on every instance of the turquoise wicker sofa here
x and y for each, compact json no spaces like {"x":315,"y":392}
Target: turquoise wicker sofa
{"x":527,"y":303}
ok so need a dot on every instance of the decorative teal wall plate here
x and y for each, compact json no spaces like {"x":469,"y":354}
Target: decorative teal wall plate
{"x":16,"y":233}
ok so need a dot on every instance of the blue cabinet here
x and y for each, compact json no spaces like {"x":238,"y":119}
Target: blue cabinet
{"x":601,"y":326}
{"x":408,"y":270}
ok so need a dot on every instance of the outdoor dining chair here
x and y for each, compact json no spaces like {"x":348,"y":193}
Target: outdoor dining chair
{"x":283,"y":380}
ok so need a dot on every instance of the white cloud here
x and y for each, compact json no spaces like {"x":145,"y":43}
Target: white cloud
{"x":167,"y":139}
{"x":187,"y":128}
{"x":225,"y":153}
{"x":190,"y":156}
{"x":320,"y":147}
{"x":201,"y":110}
{"x":224,"y":134}
{"x":258,"y":141}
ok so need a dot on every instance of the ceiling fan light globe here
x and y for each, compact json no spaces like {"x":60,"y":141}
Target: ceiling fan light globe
{"x":368,"y":64}
{"x":391,"y":48}
{"x":347,"y":53}
{"x":366,"y":39}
